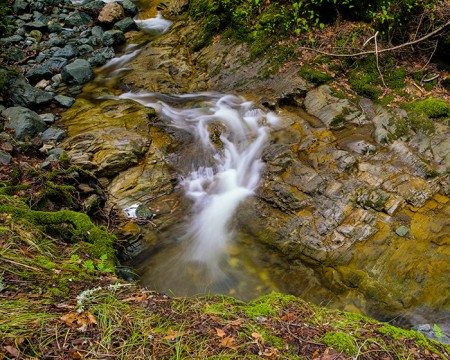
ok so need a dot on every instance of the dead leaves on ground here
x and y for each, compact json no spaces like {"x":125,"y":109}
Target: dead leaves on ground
{"x":81,"y":321}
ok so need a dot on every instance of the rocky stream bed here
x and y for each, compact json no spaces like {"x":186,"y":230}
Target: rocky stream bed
{"x":346,"y":214}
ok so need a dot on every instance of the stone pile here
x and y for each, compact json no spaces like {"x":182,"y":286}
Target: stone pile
{"x":49,"y":55}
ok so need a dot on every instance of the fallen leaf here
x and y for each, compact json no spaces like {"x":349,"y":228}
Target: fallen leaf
{"x":258,"y":337}
{"x":173,"y":334}
{"x":270,"y":352}
{"x":12,"y":351}
{"x":82,"y":319}
{"x":220,"y":332}
{"x":138,"y":298}
{"x":237,"y":322}
{"x":228,"y":342}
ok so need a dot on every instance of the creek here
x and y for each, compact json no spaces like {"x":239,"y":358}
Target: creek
{"x":231,"y":147}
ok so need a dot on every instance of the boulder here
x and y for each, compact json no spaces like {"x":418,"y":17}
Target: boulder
{"x":125,"y":25}
{"x":78,"y":18}
{"x":23,"y":121}
{"x":78,"y":72}
{"x":38,"y":73}
{"x":101,"y":56}
{"x":130,"y":7}
{"x":65,"y":101}
{"x":111,"y":13}
{"x":113,"y":38}
{"x":67,"y":52}
{"x":23,"y":94}
{"x":53,"y":135}
{"x":20,"y":6}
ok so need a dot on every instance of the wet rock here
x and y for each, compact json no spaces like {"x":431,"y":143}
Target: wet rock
{"x":304,"y":178}
{"x":432,"y":332}
{"x":78,"y":72}
{"x":48,"y":118}
{"x":125,"y":25}
{"x":67,"y":52}
{"x":94,"y":6}
{"x":78,"y":18}
{"x":332,"y":111}
{"x":113,"y":38}
{"x":65,"y":101}
{"x":20,"y":6}
{"x":101,"y":56}
{"x":23,"y":94}
{"x":111,"y":13}
{"x":402,"y":230}
{"x":25,"y":122}
{"x":5,"y":158}
{"x":53,"y":135}
{"x":38,"y":73}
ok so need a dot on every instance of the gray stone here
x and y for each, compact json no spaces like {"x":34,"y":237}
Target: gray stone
{"x":53,"y":135}
{"x":56,"y":64}
{"x":36,"y":25}
{"x":78,"y":72}
{"x":25,"y":122}
{"x":85,"y":49}
{"x":94,"y":6}
{"x":12,"y":39}
{"x":20,"y":6}
{"x":125,"y":25}
{"x":56,"y":152}
{"x":65,"y":101}
{"x":5,"y":158}
{"x":97,"y":31}
{"x":48,"y":118}
{"x":101,"y":56}
{"x":78,"y":18}
{"x":38,"y":73}
{"x":23,"y":94}
{"x":402,"y":230}
{"x":113,"y":38}
{"x":56,"y":41}
{"x":130,"y":7}
{"x":67,"y":52}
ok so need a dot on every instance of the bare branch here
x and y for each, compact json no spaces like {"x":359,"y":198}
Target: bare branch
{"x":376,"y":51}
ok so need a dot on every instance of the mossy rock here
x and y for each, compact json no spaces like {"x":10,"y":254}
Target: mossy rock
{"x":432,"y":107}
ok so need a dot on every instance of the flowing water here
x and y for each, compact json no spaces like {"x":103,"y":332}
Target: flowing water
{"x":206,"y":252}
{"x":231,"y":134}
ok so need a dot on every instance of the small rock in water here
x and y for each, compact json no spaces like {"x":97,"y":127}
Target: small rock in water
{"x":402,"y":230}
{"x":66,"y":101}
{"x":139,"y":211}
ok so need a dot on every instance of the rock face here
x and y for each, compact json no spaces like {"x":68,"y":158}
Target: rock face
{"x":367,"y":211}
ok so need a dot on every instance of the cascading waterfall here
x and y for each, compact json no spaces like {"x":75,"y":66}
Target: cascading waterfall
{"x":228,"y":173}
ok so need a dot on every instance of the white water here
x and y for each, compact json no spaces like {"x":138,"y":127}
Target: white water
{"x":155,"y":26}
{"x":228,"y":174}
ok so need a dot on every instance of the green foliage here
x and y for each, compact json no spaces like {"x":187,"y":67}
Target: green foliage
{"x":5,"y":22}
{"x":341,"y":341}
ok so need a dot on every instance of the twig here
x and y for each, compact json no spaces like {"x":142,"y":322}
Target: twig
{"x":377,"y":61}
{"x":409,"y":43}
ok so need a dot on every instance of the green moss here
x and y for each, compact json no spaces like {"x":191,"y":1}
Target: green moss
{"x":400,"y":334}
{"x":77,"y":224}
{"x":432,"y":107}
{"x":341,"y":341}
{"x":365,"y":84}
{"x":313,"y":75}
{"x":257,"y":310}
